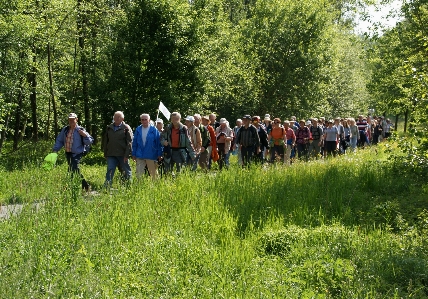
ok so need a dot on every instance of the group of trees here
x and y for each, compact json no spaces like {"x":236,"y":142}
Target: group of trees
{"x":399,"y":62}
{"x":231,"y":57}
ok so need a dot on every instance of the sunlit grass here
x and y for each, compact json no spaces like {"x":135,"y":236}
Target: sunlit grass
{"x":338,"y":228}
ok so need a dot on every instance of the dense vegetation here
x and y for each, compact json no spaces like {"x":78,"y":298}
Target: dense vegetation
{"x":231,"y":57}
{"x":351,"y":227}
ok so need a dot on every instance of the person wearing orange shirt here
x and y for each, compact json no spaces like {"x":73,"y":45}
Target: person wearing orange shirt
{"x":277,"y":140}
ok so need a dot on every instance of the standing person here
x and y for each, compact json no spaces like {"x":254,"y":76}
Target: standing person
{"x":267,"y":123}
{"x":249,"y":141}
{"x":331,"y":136}
{"x":290,"y":142}
{"x":236,"y":147}
{"x":162,"y":163}
{"x":179,"y":140}
{"x":73,"y":138}
{"x":346,"y":135}
{"x":316,"y":134}
{"x":354,"y":134}
{"x":213,"y":143}
{"x":196,"y":140}
{"x":213,"y":123}
{"x":377,"y":131}
{"x":264,"y":144}
{"x":146,"y":147}
{"x":389,"y":128}
{"x":206,"y":140}
{"x":224,"y":137}
{"x":340,"y":131}
{"x":117,"y":146}
{"x":277,"y":140}
{"x":302,"y":140}
{"x":362,"y":129}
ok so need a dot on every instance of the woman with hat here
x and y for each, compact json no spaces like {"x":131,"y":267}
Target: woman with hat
{"x":224,"y":137}
{"x":331,"y":136}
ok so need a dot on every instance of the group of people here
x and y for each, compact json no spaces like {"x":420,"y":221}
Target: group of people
{"x":202,"y":141}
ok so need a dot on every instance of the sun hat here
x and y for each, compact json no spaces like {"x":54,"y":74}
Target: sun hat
{"x":308,"y":122}
{"x":267,"y":117}
{"x":223,"y":120}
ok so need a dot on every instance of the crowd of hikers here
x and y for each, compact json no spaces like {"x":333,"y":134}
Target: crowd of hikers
{"x":202,"y":141}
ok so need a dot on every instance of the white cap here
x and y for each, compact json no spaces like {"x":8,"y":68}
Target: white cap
{"x":223,"y":120}
{"x":190,"y":118}
{"x":159,"y":120}
{"x":72,"y":115}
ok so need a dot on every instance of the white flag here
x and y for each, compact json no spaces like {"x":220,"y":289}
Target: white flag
{"x":164,"y":110}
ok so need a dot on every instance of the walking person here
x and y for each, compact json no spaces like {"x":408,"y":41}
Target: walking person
{"x":224,"y":137}
{"x":236,"y":147}
{"x":331,"y":136}
{"x":206,"y":140}
{"x":196,"y":140}
{"x":117,"y":147}
{"x":74,"y":139}
{"x":277,"y":141}
{"x":249,"y":141}
{"x":302,"y":140}
{"x":146,"y":147}
{"x":178,"y":138}
{"x":290,"y":142}
{"x":354,"y":134}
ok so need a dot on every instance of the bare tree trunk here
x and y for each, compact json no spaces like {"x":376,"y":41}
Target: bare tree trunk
{"x":32,"y":80}
{"x":16,"y":134}
{"x":406,"y":117}
{"x":3,"y":132}
{"x":52,"y":95}
{"x":396,"y":121}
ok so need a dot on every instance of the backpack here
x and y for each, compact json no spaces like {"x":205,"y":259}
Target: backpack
{"x":86,"y":148}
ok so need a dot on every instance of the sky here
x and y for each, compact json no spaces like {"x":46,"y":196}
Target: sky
{"x":380,"y":14}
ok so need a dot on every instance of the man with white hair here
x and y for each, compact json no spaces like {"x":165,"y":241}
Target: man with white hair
{"x":117,"y":146}
{"x":236,"y":147}
{"x":146,"y":147}
{"x":195,"y":138}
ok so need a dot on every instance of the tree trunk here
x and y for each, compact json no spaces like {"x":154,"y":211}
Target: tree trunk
{"x":52,"y":95}
{"x":396,"y":122}
{"x":32,"y":80}
{"x":3,"y":132}
{"x":406,"y":116}
{"x":17,"y":127}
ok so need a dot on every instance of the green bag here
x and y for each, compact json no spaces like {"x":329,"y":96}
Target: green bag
{"x":49,"y":161}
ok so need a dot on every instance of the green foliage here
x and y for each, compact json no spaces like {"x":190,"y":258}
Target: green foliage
{"x":352,"y":227}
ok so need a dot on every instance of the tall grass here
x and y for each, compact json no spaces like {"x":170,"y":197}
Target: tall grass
{"x":326,"y":229}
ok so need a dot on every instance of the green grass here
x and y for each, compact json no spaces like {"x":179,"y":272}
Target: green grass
{"x":351,"y":227}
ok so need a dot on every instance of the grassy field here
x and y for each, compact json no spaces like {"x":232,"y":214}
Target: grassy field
{"x":351,"y":227}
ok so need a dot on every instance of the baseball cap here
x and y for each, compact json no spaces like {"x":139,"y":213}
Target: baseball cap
{"x":190,"y":118}
{"x":72,"y":115}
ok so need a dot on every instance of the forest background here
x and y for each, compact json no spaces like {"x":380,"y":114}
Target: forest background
{"x":231,"y":57}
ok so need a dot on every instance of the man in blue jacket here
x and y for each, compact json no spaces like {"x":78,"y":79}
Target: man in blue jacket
{"x":146,"y":147}
{"x":73,"y":138}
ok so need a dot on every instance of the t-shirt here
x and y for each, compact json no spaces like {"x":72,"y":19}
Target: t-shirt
{"x":331,"y":133}
{"x":277,"y":134}
{"x":175,"y":138}
{"x":144,"y":132}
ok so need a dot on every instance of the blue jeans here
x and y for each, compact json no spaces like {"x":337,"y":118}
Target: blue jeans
{"x":112,"y":163}
{"x":194,"y":163}
{"x":73,"y":167}
{"x":353,"y":142}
